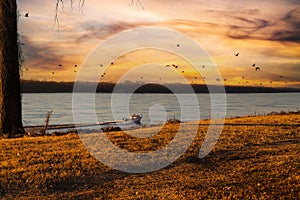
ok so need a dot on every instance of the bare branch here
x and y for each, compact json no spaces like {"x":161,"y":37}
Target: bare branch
{"x":81,"y":5}
{"x":59,"y":7}
{"x":46,"y":122}
{"x":138,"y":2}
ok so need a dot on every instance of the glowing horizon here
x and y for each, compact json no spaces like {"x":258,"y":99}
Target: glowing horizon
{"x":264,"y":33}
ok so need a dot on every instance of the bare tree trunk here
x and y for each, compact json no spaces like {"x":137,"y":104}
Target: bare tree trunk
{"x":10,"y":89}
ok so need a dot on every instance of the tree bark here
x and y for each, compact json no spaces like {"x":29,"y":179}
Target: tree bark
{"x":10,"y":89}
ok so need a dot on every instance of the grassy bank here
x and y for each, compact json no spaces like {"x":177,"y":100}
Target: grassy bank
{"x":252,"y":160}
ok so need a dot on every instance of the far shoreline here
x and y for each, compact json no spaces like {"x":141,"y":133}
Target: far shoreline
{"x":30,"y":86}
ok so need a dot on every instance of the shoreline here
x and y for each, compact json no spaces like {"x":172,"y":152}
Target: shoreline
{"x":62,"y":129}
{"x":31,"y":86}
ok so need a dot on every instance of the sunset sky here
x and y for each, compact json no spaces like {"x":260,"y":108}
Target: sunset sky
{"x":266,"y":33}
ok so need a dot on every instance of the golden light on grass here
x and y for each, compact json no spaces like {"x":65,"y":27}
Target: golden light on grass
{"x":255,"y":157}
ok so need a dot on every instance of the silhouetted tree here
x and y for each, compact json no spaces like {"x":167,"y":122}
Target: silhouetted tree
{"x":10,"y":91}
{"x":10,"y":87}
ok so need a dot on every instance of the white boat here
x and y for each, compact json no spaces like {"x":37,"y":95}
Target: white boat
{"x":134,"y":118}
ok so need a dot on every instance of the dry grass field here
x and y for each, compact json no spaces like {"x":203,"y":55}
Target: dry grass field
{"x":256,"y":157}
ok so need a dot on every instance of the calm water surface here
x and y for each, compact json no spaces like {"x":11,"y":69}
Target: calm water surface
{"x":156,"y":108}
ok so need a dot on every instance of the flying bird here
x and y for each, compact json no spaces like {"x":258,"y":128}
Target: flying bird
{"x":175,"y":66}
{"x":236,"y":54}
{"x":257,"y":68}
{"x":26,"y":14}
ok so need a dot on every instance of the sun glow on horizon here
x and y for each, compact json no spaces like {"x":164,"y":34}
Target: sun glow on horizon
{"x":262,"y":34}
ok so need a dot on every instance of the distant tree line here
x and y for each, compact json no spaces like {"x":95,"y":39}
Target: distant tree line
{"x":30,"y":86}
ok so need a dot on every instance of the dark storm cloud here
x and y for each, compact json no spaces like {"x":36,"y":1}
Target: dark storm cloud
{"x":293,"y":17}
{"x":290,"y":33}
{"x":39,"y":55}
{"x":249,"y":24}
{"x":240,"y":12}
{"x":244,"y":23}
{"x":286,"y":36}
{"x":247,"y":28}
{"x":94,"y":29}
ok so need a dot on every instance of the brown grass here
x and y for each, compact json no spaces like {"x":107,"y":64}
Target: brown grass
{"x":248,"y":162}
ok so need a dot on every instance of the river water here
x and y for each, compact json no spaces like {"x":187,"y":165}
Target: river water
{"x":156,"y":108}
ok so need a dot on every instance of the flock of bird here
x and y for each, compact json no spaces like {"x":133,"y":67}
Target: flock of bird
{"x":256,"y":68}
{"x":59,"y":65}
{"x":253,"y":65}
